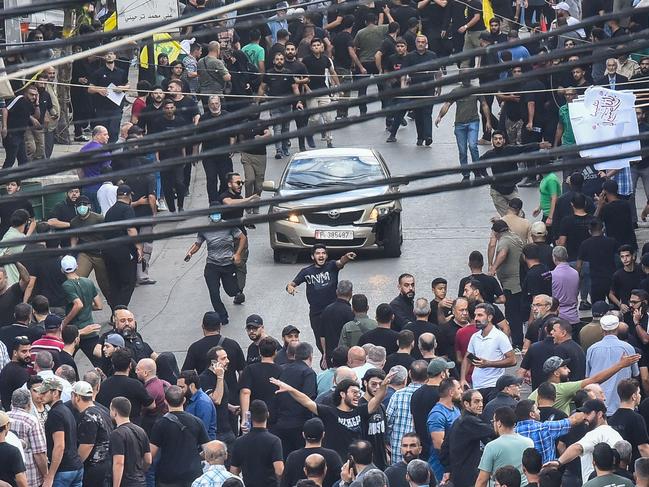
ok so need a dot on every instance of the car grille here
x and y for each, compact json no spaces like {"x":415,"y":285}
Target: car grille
{"x":354,"y":242}
{"x":344,"y":218}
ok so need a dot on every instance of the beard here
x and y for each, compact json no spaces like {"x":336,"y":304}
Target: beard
{"x":409,"y":457}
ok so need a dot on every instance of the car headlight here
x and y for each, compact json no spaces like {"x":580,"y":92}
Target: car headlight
{"x":380,"y":211}
{"x":292,"y":217}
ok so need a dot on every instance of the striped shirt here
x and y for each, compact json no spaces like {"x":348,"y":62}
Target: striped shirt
{"x":399,"y":419}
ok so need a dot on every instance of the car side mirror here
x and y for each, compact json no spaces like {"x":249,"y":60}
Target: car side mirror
{"x":269,"y":186}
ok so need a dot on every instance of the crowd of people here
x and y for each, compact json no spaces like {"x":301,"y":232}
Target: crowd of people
{"x":416,"y":392}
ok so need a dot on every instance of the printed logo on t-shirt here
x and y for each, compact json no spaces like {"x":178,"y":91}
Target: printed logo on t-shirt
{"x":353,"y":423}
{"x":321,"y":279}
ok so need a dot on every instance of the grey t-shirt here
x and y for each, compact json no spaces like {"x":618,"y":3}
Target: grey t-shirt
{"x":211,"y":71}
{"x":220,"y":245}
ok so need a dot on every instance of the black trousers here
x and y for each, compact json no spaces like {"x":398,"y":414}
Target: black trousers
{"x":424,"y":122}
{"x":494,"y":121}
{"x":216,"y":168}
{"x":82,"y":109}
{"x":599,"y":288}
{"x":370,"y":67}
{"x":513,"y":308}
{"x":316,"y":325}
{"x":173,"y":186}
{"x":122,"y":272}
{"x":187,"y":168}
{"x":14,"y":144}
{"x":215,"y":276}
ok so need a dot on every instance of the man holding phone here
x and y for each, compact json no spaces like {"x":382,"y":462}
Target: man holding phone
{"x":489,"y":351}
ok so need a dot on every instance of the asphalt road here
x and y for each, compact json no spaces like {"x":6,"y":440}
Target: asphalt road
{"x":439,"y":232}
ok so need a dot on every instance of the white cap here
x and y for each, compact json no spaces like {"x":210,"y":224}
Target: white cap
{"x":68,"y":264}
{"x":562,"y":6}
{"x":609,"y":322}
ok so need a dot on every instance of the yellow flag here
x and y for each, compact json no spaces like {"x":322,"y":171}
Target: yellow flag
{"x":487,"y":12}
{"x":171,"y":48}
{"x":111,"y":22}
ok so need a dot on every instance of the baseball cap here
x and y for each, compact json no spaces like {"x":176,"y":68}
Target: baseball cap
{"x":539,"y":229}
{"x":609,"y":322}
{"x":507,"y":380}
{"x":4,"y":419}
{"x":115,"y":340}
{"x":554,"y":363}
{"x":561,"y":6}
{"x":439,"y":365}
{"x":123,"y":189}
{"x":82,"y":388}
{"x":288,"y":329}
{"x":592,"y":405}
{"x":82,"y":200}
{"x":50,"y":384}
{"x":254,"y":320}
{"x":212,"y":319}
{"x":52,"y":322}
{"x":68,"y":264}
{"x":313,"y":429}
{"x":600,"y":308}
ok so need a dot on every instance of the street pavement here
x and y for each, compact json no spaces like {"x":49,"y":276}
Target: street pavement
{"x":439,"y":232}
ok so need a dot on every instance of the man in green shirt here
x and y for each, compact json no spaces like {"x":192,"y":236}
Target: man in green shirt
{"x":254,"y":51}
{"x":557,"y":372}
{"x":564,"y":133}
{"x":82,"y":298}
{"x":352,"y":330}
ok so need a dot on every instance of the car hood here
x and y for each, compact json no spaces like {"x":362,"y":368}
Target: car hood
{"x":333,"y":198}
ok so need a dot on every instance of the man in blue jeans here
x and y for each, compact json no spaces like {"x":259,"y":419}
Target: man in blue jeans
{"x":66,"y":467}
{"x":467,"y":125}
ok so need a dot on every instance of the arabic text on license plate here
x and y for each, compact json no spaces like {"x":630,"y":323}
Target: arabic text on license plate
{"x":334,"y":234}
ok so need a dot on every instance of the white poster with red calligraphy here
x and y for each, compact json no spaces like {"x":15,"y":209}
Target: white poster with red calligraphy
{"x":603,"y":114}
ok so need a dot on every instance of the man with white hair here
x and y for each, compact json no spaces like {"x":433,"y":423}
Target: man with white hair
{"x":30,"y":431}
{"x":612,"y":79}
{"x":418,"y":473}
{"x":399,"y":379}
{"x":607,"y":352}
{"x":565,"y":285}
{"x":216,"y":452}
{"x":100,"y":137}
{"x":376,"y":357}
{"x":43,"y":365}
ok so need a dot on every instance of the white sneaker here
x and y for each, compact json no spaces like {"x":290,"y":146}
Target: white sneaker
{"x":162,"y":206}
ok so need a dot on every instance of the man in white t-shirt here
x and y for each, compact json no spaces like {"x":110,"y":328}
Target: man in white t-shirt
{"x":600,"y":432}
{"x":489,"y":351}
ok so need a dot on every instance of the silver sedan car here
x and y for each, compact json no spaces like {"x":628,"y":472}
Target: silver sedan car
{"x":351,"y":227}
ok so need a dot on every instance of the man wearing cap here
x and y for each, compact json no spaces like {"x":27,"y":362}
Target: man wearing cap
{"x":504,"y":252}
{"x":544,"y":434}
{"x":557,"y":371}
{"x":256,"y":331}
{"x":12,"y":467}
{"x":29,"y":430}
{"x":94,"y":427}
{"x":313,"y":433}
{"x":122,"y":259}
{"x":66,"y":466}
{"x":489,"y":351}
{"x":425,"y":397}
{"x":599,"y":432}
{"x":607,"y":352}
{"x":564,"y":11}
{"x":592,"y":332}
{"x":90,"y":259}
{"x":196,"y":357}
{"x":508,"y":393}
{"x":15,"y":373}
{"x":51,"y":341}
{"x":82,"y":298}
{"x":290,"y":335}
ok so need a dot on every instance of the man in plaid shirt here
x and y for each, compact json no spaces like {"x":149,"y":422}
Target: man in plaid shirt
{"x":31,"y":433}
{"x":544,"y":435}
{"x":215,"y":473}
{"x":398,"y":411}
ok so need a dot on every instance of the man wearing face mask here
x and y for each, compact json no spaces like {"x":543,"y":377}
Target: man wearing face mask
{"x":222,"y":259}
{"x":106,"y":110}
{"x":489,"y":351}
{"x":467,"y":125}
{"x":90,"y":259}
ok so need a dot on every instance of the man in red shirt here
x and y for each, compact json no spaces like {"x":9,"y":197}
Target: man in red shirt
{"x":463,"y":335}
{"x":51,"y":341}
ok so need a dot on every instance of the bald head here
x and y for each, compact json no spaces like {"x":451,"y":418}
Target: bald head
{"x":216,"y":452}
{"x":343,"y":373}
{"x":356,"y":357}
{"x":146,"y":369}
{"x":315,"y":466}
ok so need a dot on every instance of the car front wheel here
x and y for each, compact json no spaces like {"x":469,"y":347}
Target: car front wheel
{"x":392,"y":238}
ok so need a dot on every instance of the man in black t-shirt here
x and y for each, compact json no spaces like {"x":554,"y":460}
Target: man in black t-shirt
{"x":471,"y":29}
{"x":94,"y":427}
{"x":344,"y":57}
{"x":216,"y":166}
{"x":392,"y":63}
{"x":375,"y":426}
{"x":122,"y":260}
{"x":128,"y":446}
{"x":628,"y":422}
{"x":344,"y":421}
{"x":299,"y":72}
{"x":625,"y":279}
{"x":12,"y":467}
{"x":178,"y":437}
{"x":537,"y":280}
{"x":321,"y":280}
{"x":15,"y":373}
{"x":108,"y":112}
{"x":21,"y":113}
{"x":61,"y":449}
{"x":598,"y":251}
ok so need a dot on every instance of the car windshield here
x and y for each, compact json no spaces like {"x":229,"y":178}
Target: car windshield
{"x":318,"y":172}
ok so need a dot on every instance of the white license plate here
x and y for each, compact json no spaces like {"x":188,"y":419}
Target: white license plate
{"x":334,"y":234}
